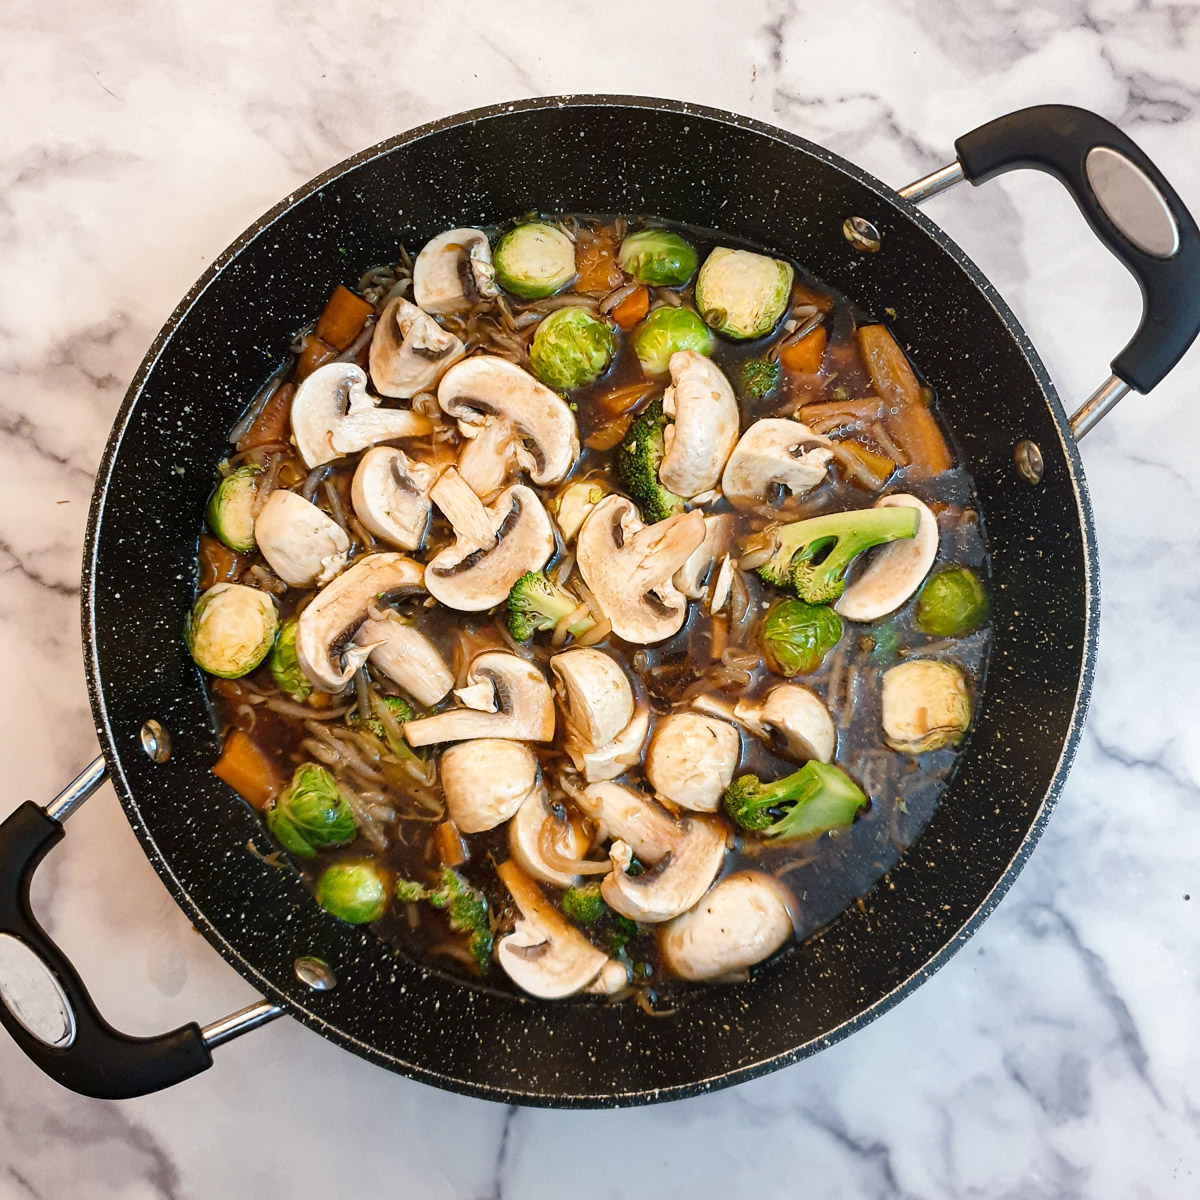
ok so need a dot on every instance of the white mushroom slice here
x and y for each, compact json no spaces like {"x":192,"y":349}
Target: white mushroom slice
{"x":390,"y":495}
{"x":705,"y":419}
{"x":545,"y":955}
{"x":301,"y":544}
{"x":410,"y":351}
{"x":479,"y":696}
{"x":623,"y":752}
{"x":614,"y":977}
{"x":508,"y":415}
{"x":494,"y":546}
{"x":722,"y":585}
{"x":454,"y":271}
{"x":926,"y":706}
{"x":596,"y":700}
{"x":323,"y":647}
{"x":524,"y":706}
{"x":548,"y":845}
{"x":692,"y":578}
{"x":896,"y":570}
{"x":406,"y":656}
{"x":692,"y":759}
{"x":628,"y":567}
{"x":794,"y":720}
{"x":775,"y":458}
{"x":485,"y":781}
{"x":742,"y":920}
{"x":332,"y":415}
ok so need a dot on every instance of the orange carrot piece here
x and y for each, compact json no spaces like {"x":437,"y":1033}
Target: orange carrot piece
{"x":632,"y":309}
{"x":451,"y":848}
{"x":272,"y":424}
{"x":218,"y":564}
{"x":314,"y":353}
{"x":248,"y":770}
{"x":876,"y":469}
{"x":866,"y":409}
{"x":343,"y":319}
{"x":806,"y":354}
{"x":596,"y":262}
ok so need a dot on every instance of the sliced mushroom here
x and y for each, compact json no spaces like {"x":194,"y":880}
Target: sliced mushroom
{"x":390,"y":495}
{"x":323,"y":646}
{"x":410,"y":351}
{"x":680,"y":857}
{"x":596,"y":700}
{"x":405,"y":655}
{"x":545,"y":955}
{"x":494,"y":546}
{"x":524,"y":706}
{"x":775,"y":458}
{"x":507,"y":415}
{"x":705,"y":419}
{"x":692,"y":759}
{"x":332,"y":415}
{"x":692,"y":578}
{"x":623,"y":752}
{"x":739,"y":922}
{"x":454,"y":271}
{"x":794,"y":720}
{"x":628,"y":567}
{"x":302,"y":545}
{"x":547,"y":842}
{"x":485,"y":781}
{"x":897,"y":569}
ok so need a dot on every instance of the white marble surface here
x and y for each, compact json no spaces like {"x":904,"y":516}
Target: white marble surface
{"x":1058,"y":1055}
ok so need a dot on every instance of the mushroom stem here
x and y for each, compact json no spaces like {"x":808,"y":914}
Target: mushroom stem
{"x":464,"y":510}
{"x":664,"y":548}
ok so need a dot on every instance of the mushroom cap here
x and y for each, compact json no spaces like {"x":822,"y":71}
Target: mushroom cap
{"x":390,"y":495}
{"x":535,"y":830}
{"x":739,"y":922}
{"x":622,"y":753}
{"x":794,"y":719}
{"x":301,"y":544}
{"x":410,"y":351}
{"x":774,"y":454}
{"x":453,"y":271}
{"x":692,"y":759}
{"x":896,"y":570}
{"x":332,"y":415}
{"x":405,"y":655}
{"x":628,"y":567}
{"x":485,"y":781}
{"x":705,"y":413}
{"x":595,"y":696}
{"x":326,"y":625}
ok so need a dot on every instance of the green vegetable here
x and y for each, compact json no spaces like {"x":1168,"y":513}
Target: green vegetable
{"x":584,"y":903}
{"x":638,"y":458}
{"x":399,"y":710}
{"x":285,"y":665}
{"x":353,"y":892}
{"x":759,"y":376}
{"x":537,"y":603}
{"x":231,"y":629}
{"x":466,"y":907}
{"x":925,"y":706}
{"x":570,"y":348}
{"x":742,"y":294}
{"x":534,"y":260}
{"x":657,"y":257}
{"x":572,"y":505}
{"x":810,"y":801}
{"x":311,"y":814}
{"x":952,"y":603}
{"x":813,"y":555}
{"x":625,"y":930}
{"x":665,"y":331}
{"x":230,"y":511}
{"x":796,"y":636}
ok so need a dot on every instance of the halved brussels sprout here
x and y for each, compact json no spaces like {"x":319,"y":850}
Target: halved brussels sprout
{"x":665,"y":331}
{"x":231,"y":629}
{"x":230,"y":511}
{"x":534,"y":260}
{"x":571,"y":348}
{"x":796,"y":636}
{"x":657,"y":257}
{"x":742,"y":294}
{"x":925,"y":706}
{"x":285,"y":666}
{"x":311,"y":813}
{"x":353,"y":892}
{"x":952,"y":603}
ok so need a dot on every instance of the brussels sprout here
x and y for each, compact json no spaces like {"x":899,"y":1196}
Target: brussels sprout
{"x":231,"y":629}
{"x":666,"y":330}
{"x":534,"y":260}
{"x":926,"y":706}
{"x":230,"y":510}
{"x":742,"y":294}
{"x":952,"y":603}
{"x":353,"y":892}
{"x":657,"y":257}
{"x":311,"y":813}
{"x":796,"y":636}
{"x":285,"y":665}
{"x":570,"y":348}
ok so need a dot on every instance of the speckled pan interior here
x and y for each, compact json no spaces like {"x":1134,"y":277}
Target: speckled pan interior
{"x":598,"y":154}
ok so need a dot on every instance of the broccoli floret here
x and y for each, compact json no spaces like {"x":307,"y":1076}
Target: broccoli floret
{"x":638,"y":459}
{"x":466,"y":907}
{"x":759,"y":376}
{"x":584,"y":903}
{"x":536,"y":602}
{"x":625,"y":930}
{"x":810,"y":801}
{"x":813,"y":554}
{"x":399,"y":710}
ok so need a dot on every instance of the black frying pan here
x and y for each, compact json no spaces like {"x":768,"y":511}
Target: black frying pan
{"x":594,"y":154}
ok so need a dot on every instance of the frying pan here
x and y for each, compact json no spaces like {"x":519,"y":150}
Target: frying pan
{"x":593,"y":154}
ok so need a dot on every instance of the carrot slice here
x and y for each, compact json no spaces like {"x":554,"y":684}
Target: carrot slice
{"x":314,"y":353}
{"x":806,"y":354}
{"x":596,"y":261}
{"x":862,"y":465}
{"x":866,"y":409}
{"x":248,"y":770}
{"x":271,"y":425}
{"x":450,"y":846}
{"x":632,"y":309}
{"x":218,"y":564}
{"x":343,"y":318}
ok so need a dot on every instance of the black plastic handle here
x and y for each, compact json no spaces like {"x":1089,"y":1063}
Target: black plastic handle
{"x":100,"y":1061}
{"x":1058,"y":138}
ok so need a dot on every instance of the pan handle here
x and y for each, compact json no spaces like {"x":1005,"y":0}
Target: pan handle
{"x":44,"y":1004}
{"x":1131,"y":208}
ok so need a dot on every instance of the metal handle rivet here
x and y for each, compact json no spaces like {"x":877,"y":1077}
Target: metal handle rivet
{"x":315,"y":973}
{"x":861,"y":234}
{"x":156,"y":741}
{"x":1028,"y":457}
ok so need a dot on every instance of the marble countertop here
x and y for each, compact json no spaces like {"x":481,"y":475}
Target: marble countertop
{"x":1058,"y":1055}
